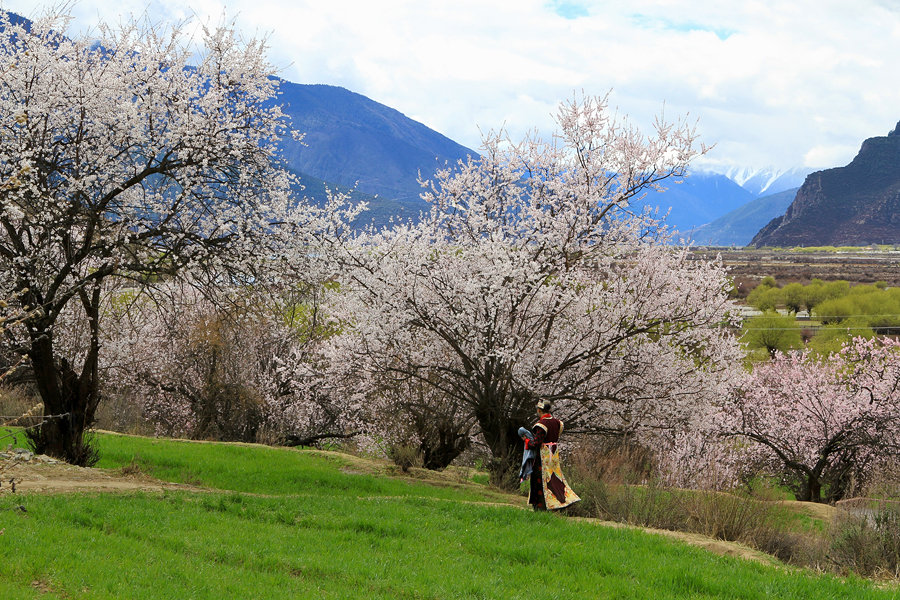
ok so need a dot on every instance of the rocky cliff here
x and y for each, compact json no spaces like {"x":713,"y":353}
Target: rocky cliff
{"x":854,"y":205}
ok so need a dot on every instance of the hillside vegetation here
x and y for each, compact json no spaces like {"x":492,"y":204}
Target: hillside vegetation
{"x":277,"y":523}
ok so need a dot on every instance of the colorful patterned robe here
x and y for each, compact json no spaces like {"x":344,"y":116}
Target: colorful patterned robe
{"x":549,"y":490}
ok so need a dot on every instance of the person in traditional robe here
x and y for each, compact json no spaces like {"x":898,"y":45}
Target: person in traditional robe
{"x":548,"y":487}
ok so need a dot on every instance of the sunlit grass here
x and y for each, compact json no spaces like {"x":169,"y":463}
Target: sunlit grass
{"x":264,"y":470}
{"x":279,"y":523}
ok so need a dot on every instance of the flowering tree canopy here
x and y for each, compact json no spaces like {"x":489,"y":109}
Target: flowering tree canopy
{"x":533,"y":277}
{"x":242,"y":370}
{"x":118,"y":158}
{"x":825,"y":421}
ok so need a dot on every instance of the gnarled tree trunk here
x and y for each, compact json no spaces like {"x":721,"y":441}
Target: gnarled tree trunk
{"x":500,"y":431}
{"x":70,"y":403}
{"x":70,"y":398}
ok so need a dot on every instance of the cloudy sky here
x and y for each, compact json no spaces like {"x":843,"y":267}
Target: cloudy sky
{"x":772,"y":83}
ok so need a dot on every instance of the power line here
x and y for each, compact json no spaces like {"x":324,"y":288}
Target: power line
{"x":801,"y":328}
{"x":821,"y":317}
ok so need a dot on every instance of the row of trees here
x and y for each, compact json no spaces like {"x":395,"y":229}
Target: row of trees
{"x":832,"y":302}
{"x":838,"y":312}
{"x":151,"y":238}
{"x":796,"y":297}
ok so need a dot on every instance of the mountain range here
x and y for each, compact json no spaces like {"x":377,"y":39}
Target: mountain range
{"x":854,"y":205}
{"x":727,"y":209}
{"x":355,"y":144}
{"x":768,"y":181}
{"x":352,"y":141}
{"x":739,"y":226}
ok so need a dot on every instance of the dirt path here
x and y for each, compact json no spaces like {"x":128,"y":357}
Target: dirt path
{"x":38,"y":476}
{"x":709,"y":544}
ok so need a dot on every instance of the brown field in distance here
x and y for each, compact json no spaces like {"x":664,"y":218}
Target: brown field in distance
{"x":749,"y":265}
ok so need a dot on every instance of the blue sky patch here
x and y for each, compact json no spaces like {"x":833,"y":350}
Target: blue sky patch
{"x":568,"y":10}
{"x":648,"y":22}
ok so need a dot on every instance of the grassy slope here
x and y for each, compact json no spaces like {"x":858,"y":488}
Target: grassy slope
{"x":292,"y":524}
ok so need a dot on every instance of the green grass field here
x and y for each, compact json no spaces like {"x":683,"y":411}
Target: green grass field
{"x":279,"y":523}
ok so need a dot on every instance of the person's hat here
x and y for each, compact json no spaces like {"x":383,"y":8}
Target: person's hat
{"x":543,"y":405}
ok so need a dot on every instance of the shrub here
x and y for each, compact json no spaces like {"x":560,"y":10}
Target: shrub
{"x":405,"y":456}
{"x":631,"y":494}
{"x":612,"y":460}
{"x":764,"y":297}
{"x":867,"y":541}
{"x":793,"y":547}
{"x":818,"y":291}
{"x":729,"y":517}
{"x":16,"y":401}
{"x":854,"y":545}
{"x":793,"y":295}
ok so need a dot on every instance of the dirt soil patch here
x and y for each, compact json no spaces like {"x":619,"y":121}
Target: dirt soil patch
{"x":55,"y":478}
{"x":749,"y":266}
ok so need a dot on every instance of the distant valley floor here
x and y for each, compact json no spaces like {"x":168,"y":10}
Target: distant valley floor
{"x":749,"y":265}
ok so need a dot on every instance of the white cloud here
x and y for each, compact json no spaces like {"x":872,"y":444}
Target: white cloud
{"x":772,"y":83}
{"x":829,"y":155}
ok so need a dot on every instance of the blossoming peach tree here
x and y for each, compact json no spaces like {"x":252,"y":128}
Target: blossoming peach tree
{"x":824,"y":423}
{"x":129,"y":155}
{"x":243,"y":368}
{"x":533,"y":276}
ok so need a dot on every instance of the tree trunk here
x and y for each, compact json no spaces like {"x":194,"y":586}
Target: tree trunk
{"x":811,"y":490}
{"x":442,"y":436}
{"x":499,"y":416}
{"x":438,"y":453}
{"x":69,"y":400}
{"x":501,"y":435}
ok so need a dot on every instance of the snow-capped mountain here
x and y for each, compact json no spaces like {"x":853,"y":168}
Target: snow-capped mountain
{"x":766,"y":181}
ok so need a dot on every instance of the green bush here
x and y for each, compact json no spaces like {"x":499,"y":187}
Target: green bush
{"x":830,"y":338}
{"x":793,"y":296}
{"x":772,"y":332}
{"x":878,"y":308}
{"x":765,"y":298}
{"x":819,"y":291}
{"x":844,"y":311}
{"x":766,"y":295}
